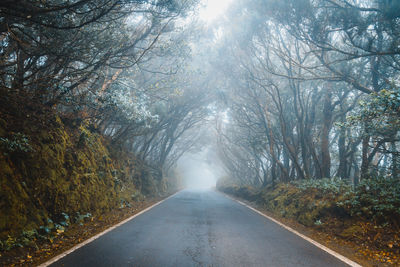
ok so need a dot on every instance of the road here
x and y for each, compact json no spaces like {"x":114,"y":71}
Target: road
{"x":199,"y":228}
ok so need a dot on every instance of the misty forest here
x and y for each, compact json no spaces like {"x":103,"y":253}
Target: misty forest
{"x":108,"y":106}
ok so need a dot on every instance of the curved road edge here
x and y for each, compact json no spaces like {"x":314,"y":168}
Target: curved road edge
{"x":315,"y":243}
{"x":87,"y":241}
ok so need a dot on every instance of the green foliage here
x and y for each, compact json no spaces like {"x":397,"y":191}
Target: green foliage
{"x":245,"y":192}
{"x":27,"y":238}
{"x":17,"y":142}
{"x":44,"y":232}
{"x":380,"y":113}
{"x":9,"y":243}
{"x":45,"y":229}
{"x":66,"y":221}
{"x":80,"y":218}
{"x":310,"y":201}
{"x":124,"y":204}
{"x":335,"y":185}
{"x":377,"y":199}
{"x":318,"y":222}
{"x":137,"y":196}
{"x":308,"y":205}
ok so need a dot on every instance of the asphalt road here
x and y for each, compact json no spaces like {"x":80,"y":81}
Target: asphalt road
{"x":199,"y":228}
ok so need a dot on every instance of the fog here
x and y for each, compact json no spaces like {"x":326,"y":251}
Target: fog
{"x":199,"y":170}
{"x":271,"y":87}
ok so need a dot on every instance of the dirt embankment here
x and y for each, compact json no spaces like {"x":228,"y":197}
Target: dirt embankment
{"x":56,"y":173}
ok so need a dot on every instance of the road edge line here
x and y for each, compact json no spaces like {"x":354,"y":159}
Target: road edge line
{"x":312,"y":241}
{"x":91,"y":239}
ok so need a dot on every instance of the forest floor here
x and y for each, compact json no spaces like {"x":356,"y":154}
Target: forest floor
{"x":364,"y":249}
{"x":42,"y":251}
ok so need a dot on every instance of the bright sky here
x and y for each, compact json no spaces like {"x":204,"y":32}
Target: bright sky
{"x":213,"y":9}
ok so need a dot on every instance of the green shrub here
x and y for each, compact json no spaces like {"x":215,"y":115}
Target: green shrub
{"x":377,"y":199}
{"x":17,"y":142}
{"x":27,"y":238}
{"x":335,"y":185}
{"x":80,"y":218}
{"x":9,"y":243}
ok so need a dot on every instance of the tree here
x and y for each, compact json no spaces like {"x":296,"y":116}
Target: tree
{"x":298,"y":70}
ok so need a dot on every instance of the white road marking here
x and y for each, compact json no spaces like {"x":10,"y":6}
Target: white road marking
{"x":62,"y":255}
{"x":315,"y":243}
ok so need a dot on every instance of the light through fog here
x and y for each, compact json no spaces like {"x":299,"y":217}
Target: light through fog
{"x":199,"y":171}
{"x":213,"y":9}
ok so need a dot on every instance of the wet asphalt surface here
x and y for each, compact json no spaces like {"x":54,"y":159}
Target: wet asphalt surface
{"x":199,"y":228}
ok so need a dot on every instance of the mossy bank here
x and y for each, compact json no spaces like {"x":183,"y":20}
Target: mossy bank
{"x":52,"y":169}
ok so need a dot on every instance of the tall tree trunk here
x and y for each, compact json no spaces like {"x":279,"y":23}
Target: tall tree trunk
{"x":365,"y":161}
{"x":273,"y":174}
{"x":395,"y":167}
{"x":326,"y":128}
{"x":18,"y":82}
{"x":342,"y":170}
{"x":271,"y":141}
{"x":356,"y":176}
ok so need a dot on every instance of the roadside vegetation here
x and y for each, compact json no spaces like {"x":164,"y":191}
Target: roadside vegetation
{"x":365,"y":218}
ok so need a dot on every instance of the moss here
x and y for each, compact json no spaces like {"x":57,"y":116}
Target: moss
{"x":305,"y":206}
{"x":352,"y":231}
{"x":60,"y":176}
{"x":306,"y":219}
